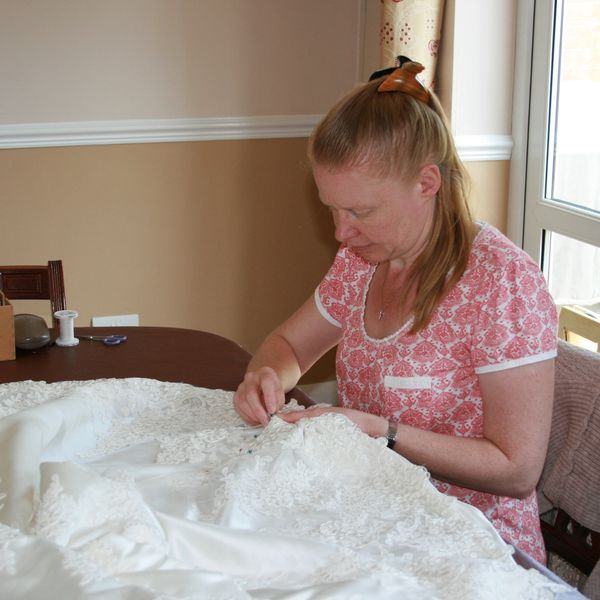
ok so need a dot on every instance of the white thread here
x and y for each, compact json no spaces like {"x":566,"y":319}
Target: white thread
{"x":66,"y":319}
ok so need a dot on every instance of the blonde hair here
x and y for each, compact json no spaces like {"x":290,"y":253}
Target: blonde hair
{"x":395,"y":134}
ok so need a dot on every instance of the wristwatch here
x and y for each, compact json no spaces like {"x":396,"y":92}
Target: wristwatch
{"x":391,"y":435}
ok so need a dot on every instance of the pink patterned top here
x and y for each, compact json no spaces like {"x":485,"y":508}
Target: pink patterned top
{"x":499,"y":315}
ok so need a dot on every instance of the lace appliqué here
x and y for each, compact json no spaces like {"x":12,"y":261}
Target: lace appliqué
{"x":7,"y":554}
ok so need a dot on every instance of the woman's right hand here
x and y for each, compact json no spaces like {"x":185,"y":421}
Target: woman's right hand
{"x":287,"y":353}
{"x":259,"y":396}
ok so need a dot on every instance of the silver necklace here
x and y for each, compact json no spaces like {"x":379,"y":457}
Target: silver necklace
{"x":382,"y":309}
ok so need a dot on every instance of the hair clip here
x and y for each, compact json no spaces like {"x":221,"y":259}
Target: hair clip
{"x":400,"y":60}
{"x":404,"y":79}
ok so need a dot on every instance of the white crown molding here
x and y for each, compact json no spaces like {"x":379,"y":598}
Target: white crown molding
{"x":88,"y":133}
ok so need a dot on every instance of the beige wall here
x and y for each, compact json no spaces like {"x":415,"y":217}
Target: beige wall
{"x":482,"y":65}
{"x":222,"y":236}
{"x":489,"y":191}
{"x":226,"y":236}
{"x":68,"y":60}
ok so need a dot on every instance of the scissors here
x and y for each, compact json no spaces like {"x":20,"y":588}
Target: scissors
{"x":108,"y":340}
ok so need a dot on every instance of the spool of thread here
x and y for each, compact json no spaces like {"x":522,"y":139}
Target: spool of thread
{"x":66,"y":319}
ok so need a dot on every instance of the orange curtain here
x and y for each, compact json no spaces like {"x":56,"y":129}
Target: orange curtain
{"x":412,"y":28}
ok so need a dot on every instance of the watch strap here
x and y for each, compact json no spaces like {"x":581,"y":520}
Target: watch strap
{"x":391,"y":435}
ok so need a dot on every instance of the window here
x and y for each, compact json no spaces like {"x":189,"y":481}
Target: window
{"x":560,"y":170}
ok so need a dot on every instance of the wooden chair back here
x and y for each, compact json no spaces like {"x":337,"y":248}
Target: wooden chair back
{"x":39,"y":282}
{"x":576,"y":321}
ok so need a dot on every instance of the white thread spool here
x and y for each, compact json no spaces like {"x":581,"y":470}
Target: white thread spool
{"x":66,"y":319}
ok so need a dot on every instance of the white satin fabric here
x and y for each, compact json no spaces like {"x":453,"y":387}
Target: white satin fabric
{"x":137,"y":489}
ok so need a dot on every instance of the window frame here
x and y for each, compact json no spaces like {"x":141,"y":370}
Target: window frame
{"x":529,"y":214}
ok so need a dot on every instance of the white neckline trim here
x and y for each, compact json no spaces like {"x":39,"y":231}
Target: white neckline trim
{"x":483,"y":226}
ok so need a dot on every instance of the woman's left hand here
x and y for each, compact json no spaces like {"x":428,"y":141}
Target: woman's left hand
{"x":372,"y":425}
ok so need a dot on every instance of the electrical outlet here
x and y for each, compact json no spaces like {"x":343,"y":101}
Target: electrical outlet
{"x":116,"y":321}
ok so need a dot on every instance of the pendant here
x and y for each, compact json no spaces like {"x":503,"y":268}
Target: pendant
{"x":380,"y":315}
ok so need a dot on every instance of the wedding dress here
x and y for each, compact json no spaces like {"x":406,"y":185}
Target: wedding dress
{"x":136,"y":489}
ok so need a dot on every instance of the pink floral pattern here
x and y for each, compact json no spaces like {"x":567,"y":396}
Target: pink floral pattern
{"x":499,"y":315}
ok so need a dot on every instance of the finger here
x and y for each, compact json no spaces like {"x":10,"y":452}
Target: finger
{"x":290,"y":417}
{"x":244,"y":402}
{"x":249,"y":419}
{"x":255,"y":406}
{"x":248,"y":416}
{"x":242,"y":409}
{"x":295,"y":415}
{"x":272,"y":391}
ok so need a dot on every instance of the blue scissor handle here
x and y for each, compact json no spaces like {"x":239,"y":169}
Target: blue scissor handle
{"x":113,"y":340}
{"x":109,"y":340}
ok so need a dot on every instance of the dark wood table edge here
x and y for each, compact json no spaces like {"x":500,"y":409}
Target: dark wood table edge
{"x":153,"y":352}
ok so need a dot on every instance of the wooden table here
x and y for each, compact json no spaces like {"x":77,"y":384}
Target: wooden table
{"x":168,"y":354}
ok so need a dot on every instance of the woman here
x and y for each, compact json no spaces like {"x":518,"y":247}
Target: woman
{"x":446,"y":332}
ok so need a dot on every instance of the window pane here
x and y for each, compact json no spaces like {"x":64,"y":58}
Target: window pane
{"x":573,"y":175}
{"x":573,"y":272}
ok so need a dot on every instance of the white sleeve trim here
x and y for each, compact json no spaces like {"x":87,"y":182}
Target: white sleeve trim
{"x":519,"y":362}
{"x":323,"y":310}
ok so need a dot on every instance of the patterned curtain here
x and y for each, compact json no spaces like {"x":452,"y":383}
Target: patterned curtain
{"x":411,"y":28}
